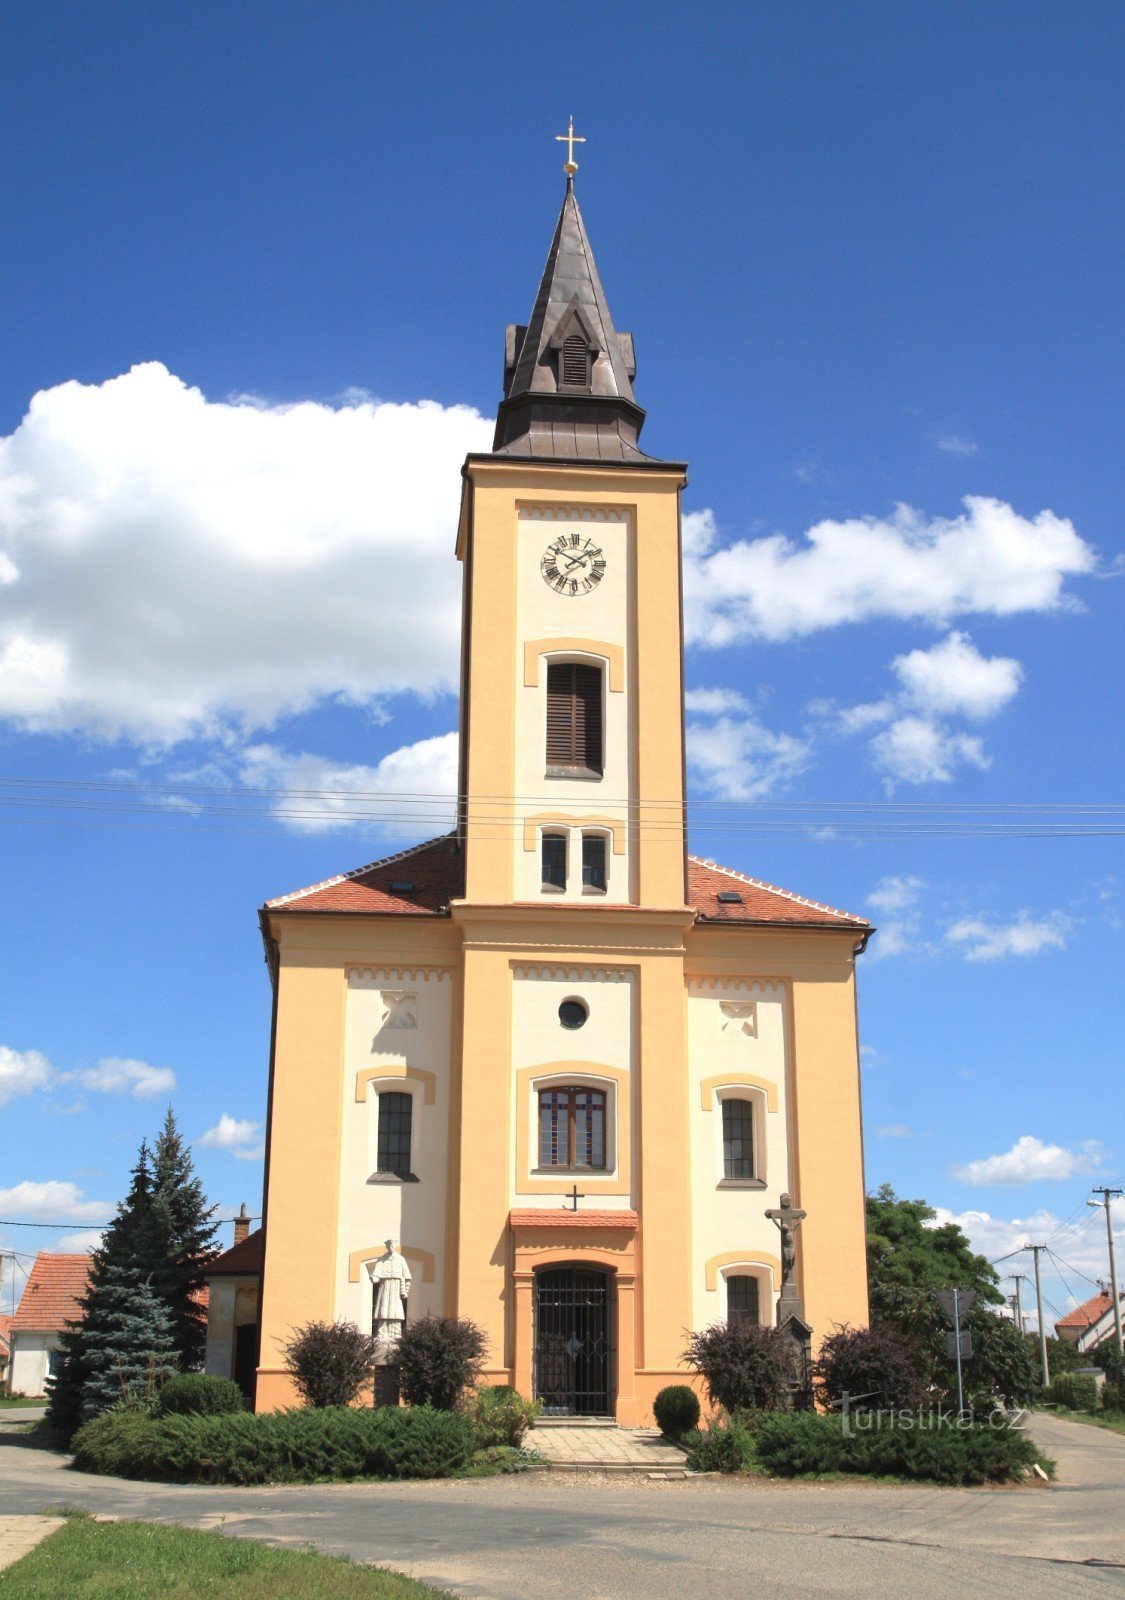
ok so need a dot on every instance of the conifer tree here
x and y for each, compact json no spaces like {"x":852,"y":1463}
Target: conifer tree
{"x":130,"y":1350}
{"x":191,"y":1228}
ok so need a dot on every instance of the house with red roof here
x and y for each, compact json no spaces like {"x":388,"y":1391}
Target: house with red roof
{"x":51,"y":1300}
{"x":552,"y":1071}
{"x":233,"y":1282}
{"x":1090,"y":1324}
{"x":5,"y":1347}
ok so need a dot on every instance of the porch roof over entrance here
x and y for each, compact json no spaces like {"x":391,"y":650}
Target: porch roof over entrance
{"x":628,"y":1221}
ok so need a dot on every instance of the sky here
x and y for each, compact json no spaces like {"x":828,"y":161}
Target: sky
{"x":256,"y":270}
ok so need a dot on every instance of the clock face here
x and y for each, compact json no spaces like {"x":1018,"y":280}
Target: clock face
{"x":572,"y":564}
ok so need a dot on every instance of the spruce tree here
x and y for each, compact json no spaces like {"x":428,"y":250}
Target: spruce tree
{"x":130,"y":1350}
{"x":191,"y":1228}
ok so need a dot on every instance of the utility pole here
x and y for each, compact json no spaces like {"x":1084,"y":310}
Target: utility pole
{"x":1035,"y":1249}
{"x":1106,"y":1204}
{"x":1017,"y":1279}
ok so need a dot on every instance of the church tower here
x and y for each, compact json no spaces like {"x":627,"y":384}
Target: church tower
{"x":568,"y":1066}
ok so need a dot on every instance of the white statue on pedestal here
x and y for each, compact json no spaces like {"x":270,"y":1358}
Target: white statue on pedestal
{"x":390,"y":1276}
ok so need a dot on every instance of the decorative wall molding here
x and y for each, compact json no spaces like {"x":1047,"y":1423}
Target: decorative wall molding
{"x":722,"y":985}
{"x":396,"y":1073}
{"x":358,"y":1259}
{"x":738,"y":1258}
{"x":540,"y":513}
{"x":736,"y":1080}
{"x":568,"y":974}
{"x":400,"y":1008}
{"x":552,"y":819}
{"x":613,"y":655}
{"x":376,"y":977}
{"x":739,"y":1016}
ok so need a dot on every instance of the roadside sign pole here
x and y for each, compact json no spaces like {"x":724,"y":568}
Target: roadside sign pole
{"x":957,"y":1337}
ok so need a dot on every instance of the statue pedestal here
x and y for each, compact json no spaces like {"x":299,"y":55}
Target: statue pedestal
{"x":799,"y":1336}
{"x":387,"y":1385}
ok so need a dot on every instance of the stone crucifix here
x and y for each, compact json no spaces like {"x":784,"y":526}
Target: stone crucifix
{"x":787,"y":1219}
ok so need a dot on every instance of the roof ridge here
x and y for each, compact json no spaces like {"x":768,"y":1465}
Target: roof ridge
{"x":355,"y":872}
{"x":773,"y":888}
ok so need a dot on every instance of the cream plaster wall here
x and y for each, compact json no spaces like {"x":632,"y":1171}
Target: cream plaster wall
{"x":604,"y":616}
{"x":29,"y":1361}
{"x":395,"y":1017}
{"x":540,"y":1043}
{"x":233,"y":1303}
{"x":737,"y":1028}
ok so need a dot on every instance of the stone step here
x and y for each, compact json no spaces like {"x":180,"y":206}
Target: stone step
{"x":576,"y":1422}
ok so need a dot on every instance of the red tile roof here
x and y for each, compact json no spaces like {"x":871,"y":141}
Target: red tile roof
{"x":52,"y":1293}
{"x":242,"y":1260}
{"x":436,"y":872}
{"x":1091,"y":1311}
{"x":574,"y":1219}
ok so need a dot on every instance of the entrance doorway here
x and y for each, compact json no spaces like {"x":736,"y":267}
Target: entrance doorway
{"x":573,"y":1341}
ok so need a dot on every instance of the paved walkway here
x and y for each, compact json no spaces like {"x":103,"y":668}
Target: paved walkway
{"x":606,"y":1449}
{"x":18,"y":1535}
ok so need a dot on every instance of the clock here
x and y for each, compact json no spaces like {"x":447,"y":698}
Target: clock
{"x":572,"y":564}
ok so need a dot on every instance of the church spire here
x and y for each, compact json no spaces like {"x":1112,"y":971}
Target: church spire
{"x":568,"y":389}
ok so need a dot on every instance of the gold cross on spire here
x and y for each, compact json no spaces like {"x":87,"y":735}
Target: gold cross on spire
{"x":570,"y":139}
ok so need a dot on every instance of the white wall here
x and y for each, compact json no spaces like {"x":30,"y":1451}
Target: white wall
{"x":396,"y":1017}
{"x":29,"y":1359}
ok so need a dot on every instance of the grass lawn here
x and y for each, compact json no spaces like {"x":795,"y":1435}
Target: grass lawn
{"x":9,"y":1400}
{"x":1113,"y":1420}
{"x":148,"y":1561}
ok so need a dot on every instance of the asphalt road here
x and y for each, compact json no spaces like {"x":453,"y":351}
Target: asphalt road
{"x":550,"y":1536}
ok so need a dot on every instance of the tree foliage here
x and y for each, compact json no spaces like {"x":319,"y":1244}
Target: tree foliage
{"x":190,"y":1230}
{"x":330,"y":1362}
{"x":745,"y":1367}
{"x":876,"y":1368}
{"x":438,"y":1359}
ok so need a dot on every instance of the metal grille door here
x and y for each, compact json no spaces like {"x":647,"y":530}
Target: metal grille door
{"x":573,"y":1342}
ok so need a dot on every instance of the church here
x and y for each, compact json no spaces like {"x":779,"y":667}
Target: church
{"x":567,"y":1066}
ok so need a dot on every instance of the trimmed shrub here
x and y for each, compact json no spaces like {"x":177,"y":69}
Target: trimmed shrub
{"x":301,"y":1446}
{"x":438,"y":1359}
{"x":726,"y":1448}
{"x":198,"y":1394}
{"x":909,"y":1447}
{"x":745,"y":1367}
{"x":501,"y":1416}
{"x":330,"y":1361}
{"x":676,"y":1409}
{"x":1075,"y":1391}
{"x":875,"y":1367}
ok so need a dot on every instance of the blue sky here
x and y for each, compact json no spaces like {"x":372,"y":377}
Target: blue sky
{"x":257,"y":267}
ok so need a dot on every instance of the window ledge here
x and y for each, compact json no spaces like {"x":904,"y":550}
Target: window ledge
{"x":589,"y":889}
{"x":551,"y":888}
{"x":392,"y":1177}
{"x":741,"y":1183}
{"x":578,"y":774}
{"x":573,"y":1172}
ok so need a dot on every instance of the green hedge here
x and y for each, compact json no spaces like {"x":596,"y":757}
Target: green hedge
{"x":1075,"y":1391}
{"x":277,"y":1447}
{"x":792,"y":1444}
{"x":198,"y":1394}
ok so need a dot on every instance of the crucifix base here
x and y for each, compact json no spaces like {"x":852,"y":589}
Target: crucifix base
{"x":799,"y":1356}
{"x":387,"y":1388}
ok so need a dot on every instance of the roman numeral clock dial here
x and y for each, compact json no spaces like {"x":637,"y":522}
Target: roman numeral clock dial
{"x":572,"y":564}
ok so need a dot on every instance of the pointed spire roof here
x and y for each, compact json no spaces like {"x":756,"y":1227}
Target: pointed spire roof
{"x":588,"y":412}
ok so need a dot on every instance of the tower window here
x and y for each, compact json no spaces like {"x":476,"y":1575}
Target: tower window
{"x":572,"y":1128}
{"x":738,"y":1139}
{"x":593,"y":861}
{"x":574,"y":362}
{"x":554,"y":861}
{"x":742,"y":1299}
{"x":574,"y":717}
{"x":395,"y":1117}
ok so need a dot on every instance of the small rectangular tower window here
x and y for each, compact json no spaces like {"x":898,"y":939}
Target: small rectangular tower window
{"x":395,"y":1117}
{"x":574,"y":718}
{"x":738,"y":1139}
{"x":593,"y":861}
{"x":554,"y":861}
{"x":742,"y":1299}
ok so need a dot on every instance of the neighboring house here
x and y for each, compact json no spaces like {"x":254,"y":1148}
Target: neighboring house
{"x":5,"y":1344}
{"x":1091,"y":1324}
{"x":232,"y":1308}
{"x":50,"y":1301}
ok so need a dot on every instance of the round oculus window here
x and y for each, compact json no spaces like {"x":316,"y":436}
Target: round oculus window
{"x":573,"y":1013}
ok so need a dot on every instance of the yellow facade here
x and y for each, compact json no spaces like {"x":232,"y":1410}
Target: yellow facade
{"x":458,"y":1002}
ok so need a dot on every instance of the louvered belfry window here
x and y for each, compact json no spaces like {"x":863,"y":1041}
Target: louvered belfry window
{"x":574,"y":716}
{"x":575,"y":362}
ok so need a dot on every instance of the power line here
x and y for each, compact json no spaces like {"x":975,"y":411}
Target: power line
{"x":71,"y":1226}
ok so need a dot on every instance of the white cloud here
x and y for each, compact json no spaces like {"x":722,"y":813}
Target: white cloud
{"x":52,"y":1202}
{"x":1030,"y":1161}
{"x":410,"y":791}
{"x":181,"y":567}
{"x":892,"y":895}
{"x":119,"y":1075}
{"x":990,"y":560}
{"x":956,"y":444}
{"x":920,"y":750}
{"x":981,"y":940}
{"x":894,"y":1130}
{"x":22,"y":1072}
{"x":895,"y":902}
{"x":953,"y":678}
{"x":731,"y":755}
{"x":79,"y":1243}
{"x":242,"y":1138}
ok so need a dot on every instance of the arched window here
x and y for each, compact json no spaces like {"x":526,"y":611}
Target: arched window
{"x":574,"y":718}
{"x":396,"y":1114}
{"x":572,"y":1129}
{"x":574,"y":363}
{"x":742,"y":1298}
{"x":738,"y":1139}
